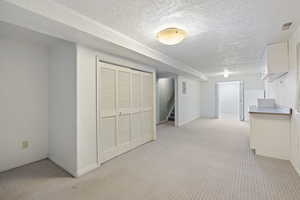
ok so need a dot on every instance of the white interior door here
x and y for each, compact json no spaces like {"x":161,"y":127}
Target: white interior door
{"x":229,"y":100}
{"x":125,"y":109}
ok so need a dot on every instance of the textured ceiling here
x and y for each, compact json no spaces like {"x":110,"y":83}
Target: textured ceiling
{"x":221,"y":33}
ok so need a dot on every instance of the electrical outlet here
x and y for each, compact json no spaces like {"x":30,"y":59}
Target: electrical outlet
{"x":25,"y":144}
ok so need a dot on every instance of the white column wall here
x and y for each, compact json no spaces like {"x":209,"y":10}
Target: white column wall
{"x":189,"y":104}
{"x":62,"y":106}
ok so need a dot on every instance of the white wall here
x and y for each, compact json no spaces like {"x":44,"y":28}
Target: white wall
{"x":24,"y":102}
{"x":188,"y":105}
{"x":62,"y":106}
{"x":284,"y":91}
{"x":208,"y":91}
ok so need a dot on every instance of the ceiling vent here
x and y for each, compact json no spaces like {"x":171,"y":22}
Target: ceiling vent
{"x":286,"y":26}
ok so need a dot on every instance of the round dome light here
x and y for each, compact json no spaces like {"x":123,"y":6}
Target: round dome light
{"x":171,"y":36}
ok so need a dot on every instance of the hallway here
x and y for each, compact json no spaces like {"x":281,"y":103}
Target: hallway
{"x":207,"y":159}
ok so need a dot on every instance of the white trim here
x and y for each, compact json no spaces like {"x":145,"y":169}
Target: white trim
{"x":98,"y":110}
{"x":154,"y":105}
{"x":194,"y":118}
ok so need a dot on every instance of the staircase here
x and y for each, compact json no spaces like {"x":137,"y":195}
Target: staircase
{"x":172,"y":115}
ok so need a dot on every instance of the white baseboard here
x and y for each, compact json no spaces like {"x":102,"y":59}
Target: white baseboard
{"x":86,"y":169}
{"x":187,"y":121}
{"x":23,"y":163}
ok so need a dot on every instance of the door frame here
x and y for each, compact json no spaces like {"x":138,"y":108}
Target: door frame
{"x":241,"y":98}
{"x":174,"y":79}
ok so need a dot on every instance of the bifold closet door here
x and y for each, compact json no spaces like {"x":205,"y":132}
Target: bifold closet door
{"x":125,"y":109}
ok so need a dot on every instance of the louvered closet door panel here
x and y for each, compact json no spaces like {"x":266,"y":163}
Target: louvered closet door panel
{"x":147,"y":117}
{"x":124,"y":133}
{"x":124,"y":108}
{"x":136,"y":109}
{"x":108,"y":139}
{"x":136,"y":91}
{"x":147,"y":104}
{"x":147,"y":91}
{"x":124,"y":91}
{"x":108,"y":91}
{"x":108,"y":118}
{"x":136,"y":128}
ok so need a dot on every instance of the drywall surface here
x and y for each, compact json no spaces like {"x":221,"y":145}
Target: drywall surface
{"x":62,"y":106}
{"x":87,"y":149}
{"x":24,"y":102}
{"x":285,"y":92}
{"x":166,"y":93}
{"x":188,"y":103}
{"x":208,"y":91}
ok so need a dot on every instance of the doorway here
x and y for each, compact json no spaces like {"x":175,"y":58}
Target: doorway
{"x":166,"y":100}
{"x":230,"y":101}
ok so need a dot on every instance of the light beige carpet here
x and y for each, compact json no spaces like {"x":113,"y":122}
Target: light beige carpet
{"x":203,"y":160}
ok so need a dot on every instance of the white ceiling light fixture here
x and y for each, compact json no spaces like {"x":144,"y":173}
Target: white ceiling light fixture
{"x":226,"y":73}
{"x":171,"y":36}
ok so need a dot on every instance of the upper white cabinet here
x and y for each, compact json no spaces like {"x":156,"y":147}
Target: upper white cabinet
{"x":276,"y":61}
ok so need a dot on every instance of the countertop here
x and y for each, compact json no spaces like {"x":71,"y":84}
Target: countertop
{"x":273,"y":111}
